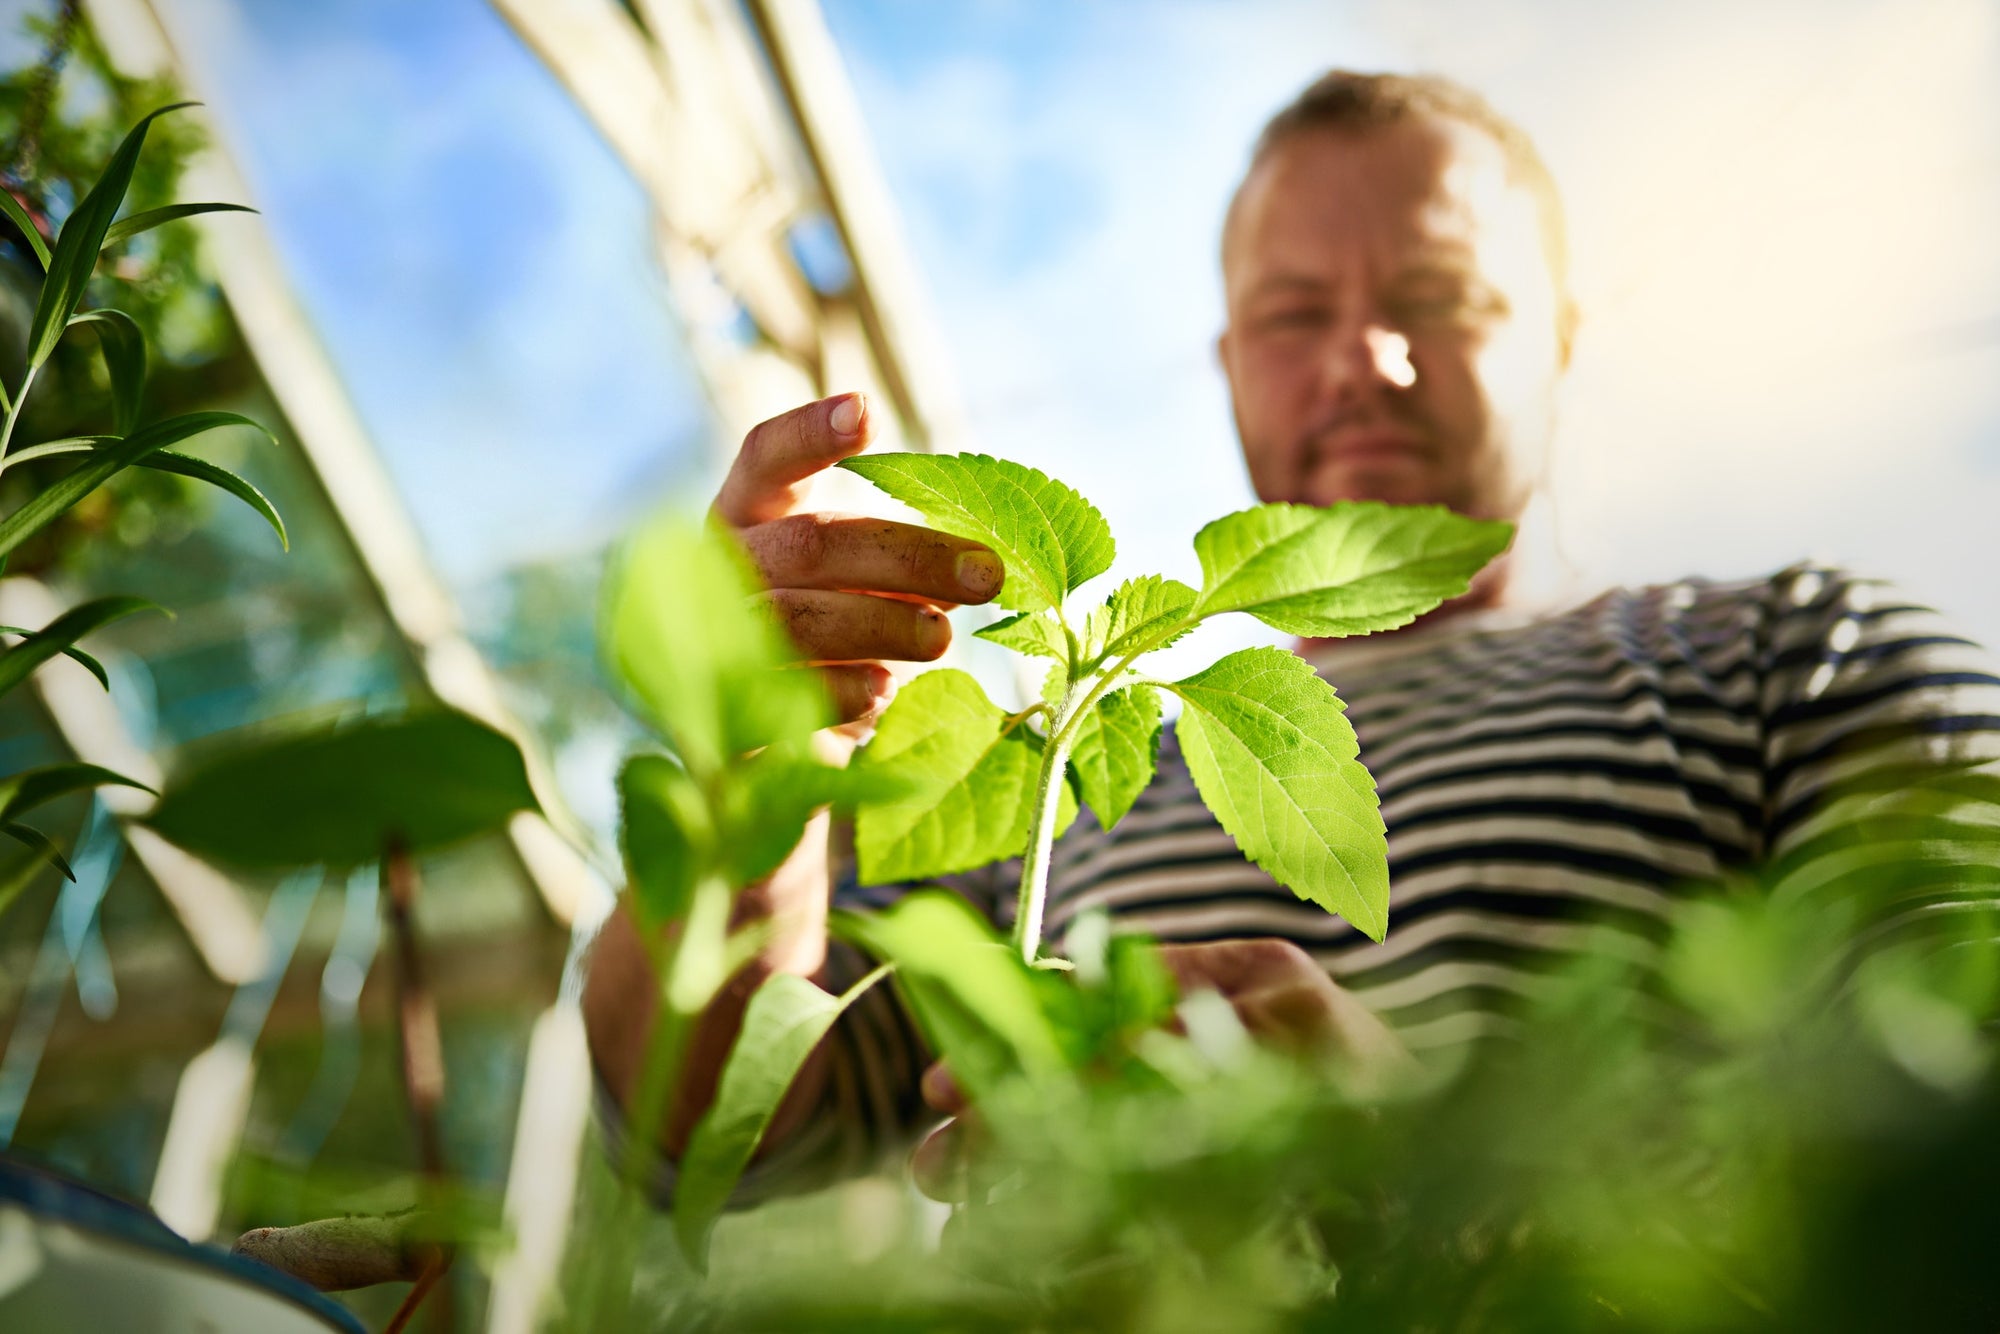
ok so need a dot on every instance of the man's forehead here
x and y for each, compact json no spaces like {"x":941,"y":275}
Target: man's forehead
{"x":1433,"y":186}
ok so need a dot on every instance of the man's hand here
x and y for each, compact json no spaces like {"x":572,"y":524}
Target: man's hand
{"x":854,"y":593}
{"x":1281,"y":996}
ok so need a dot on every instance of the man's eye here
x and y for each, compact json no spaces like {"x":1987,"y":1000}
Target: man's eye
{"x":1292,"y":318}
{"x":1455,"y":307}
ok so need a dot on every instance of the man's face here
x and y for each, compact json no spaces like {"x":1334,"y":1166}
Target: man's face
{"x":1393,"y":322}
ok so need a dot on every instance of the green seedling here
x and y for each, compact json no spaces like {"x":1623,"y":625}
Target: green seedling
{"x":1266,"y":739}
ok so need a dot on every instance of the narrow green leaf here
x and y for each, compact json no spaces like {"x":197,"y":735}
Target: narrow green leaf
{"x":1349,"y":569}
{"x":1050,"y":538}
{"x":126,"y":228}
{"x":1137,"y":611}
{"x":1031,"y":632}
{"x":1272,"y":754}
{"x":31,"y":233}
{"x":43,"y":508}
{"x":124,"y":345}
{"x":973,"y":995}
{"x":60,"y":634}
{"x":173,"y":461}
{"x":74,"y":654}
{"x":703,"y":662}
{"x":1116,"y":751}
{"x":39,"y":841}
{"x":201,"y":470}
{"x":337,"y":795}
{"x":75,"y":254}
{"x":23,"y":792}
{"x":971,"y":783}
{"x":782,"y":1024}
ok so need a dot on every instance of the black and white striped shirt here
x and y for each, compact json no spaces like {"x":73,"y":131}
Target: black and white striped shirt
{"x":1541,"y":778}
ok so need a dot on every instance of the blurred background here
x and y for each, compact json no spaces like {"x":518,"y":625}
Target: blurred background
{"x":526,"y":269}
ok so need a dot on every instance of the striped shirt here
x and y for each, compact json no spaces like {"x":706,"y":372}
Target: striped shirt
{"x":1541,"y":779}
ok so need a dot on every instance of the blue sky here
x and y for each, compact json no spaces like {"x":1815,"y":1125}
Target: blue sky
{"x":1782,"y":217}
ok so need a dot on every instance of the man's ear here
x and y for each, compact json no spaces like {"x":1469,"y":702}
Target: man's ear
{"x":1223,"y":355}
{"x":1568,"y":316}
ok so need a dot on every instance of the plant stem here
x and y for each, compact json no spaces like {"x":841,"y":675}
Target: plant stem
{"x":1041,"y":844}
{"x":1064,"y":720}
{"x":14,"y":413}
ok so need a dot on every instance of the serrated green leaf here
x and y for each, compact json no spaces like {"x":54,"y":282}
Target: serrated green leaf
{"x":29,"y":232}
{"x":1116,"y":750}
{"x":1050,"y":538}
{"x":43,"y":508}
{"x":703,"y":663}
{"x":1032,"y":632}
{"x":124,"y":347}
{"x":1272,"y":754}
{"x":23,"y":792}
{"x":1137,"y":610}
{"x":36,"y":839}
{"x":59,"y":635}
{"x":74,"y":256}
{"x":971,"y":993}
{"x":1056,"y":684}
{"x":970,"y":777}
{"x":126,"y":228}
{"x":784,"y":1021}
{"x":336,"y":796}
{"x":1348,"y":569}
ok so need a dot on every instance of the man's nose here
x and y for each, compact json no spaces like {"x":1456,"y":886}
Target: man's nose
{"x":1368,"y":355}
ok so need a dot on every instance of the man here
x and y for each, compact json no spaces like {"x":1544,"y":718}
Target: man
{"x":1398,"y":323}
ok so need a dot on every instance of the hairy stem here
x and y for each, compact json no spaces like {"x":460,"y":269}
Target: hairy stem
{"x":1041,"y":840}
{"x":1064,"y":721}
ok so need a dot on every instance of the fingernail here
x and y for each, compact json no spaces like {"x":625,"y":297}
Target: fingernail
{"x":980,"y":574}
{"x":845,"y":419}
{"x":933,"y":634}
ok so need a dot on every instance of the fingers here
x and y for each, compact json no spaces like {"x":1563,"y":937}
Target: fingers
{"x":938,"y":1165}
{"x":872,"y":556}
{"x":941,"y":1092}
{"x":853,"y":627}
{"x":859,"y":689}
{"x":780,"y":455}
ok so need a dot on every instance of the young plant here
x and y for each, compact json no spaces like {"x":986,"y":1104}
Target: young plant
{"x":68,"y":266}
{"x":1265,"y":737}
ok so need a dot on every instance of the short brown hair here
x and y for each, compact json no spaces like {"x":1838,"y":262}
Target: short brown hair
{"x":1346,"y":100}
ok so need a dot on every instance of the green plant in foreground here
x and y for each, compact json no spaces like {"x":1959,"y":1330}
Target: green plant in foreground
{"x":68,"y":267}
{"x":1266,"y":739}
{"x":952,"y":781}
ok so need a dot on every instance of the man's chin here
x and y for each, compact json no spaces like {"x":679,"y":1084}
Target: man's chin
{"x":1393,"y":486}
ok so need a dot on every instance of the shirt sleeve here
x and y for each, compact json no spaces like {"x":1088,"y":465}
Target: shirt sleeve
{"x":1867,"y":694}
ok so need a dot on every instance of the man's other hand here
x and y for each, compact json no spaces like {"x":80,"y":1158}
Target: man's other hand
{"x":1281,"y":996}
{"x":854,"y":593}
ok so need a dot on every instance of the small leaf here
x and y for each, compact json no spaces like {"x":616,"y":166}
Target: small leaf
{"x":60,"y":634}
{"x":1031,"y":632}
{"x":43,"y":508}
{"x":29,"y":232}
{"x":971,"y":783}
{"x":782,"y":1024}
{"x":126,"y":228}
{"x":337,"y":795}
{"x":1136,"y":611}
{"x":1116,"y":751}
{"x":971,"y":992}
{"x":1050,"y":538}
{"x":201,"y":470}
{"x":1348,"y":569}
{"x":76,"y":655}
{"x":39,"y":841}
{"x":705,"y":665}
{"x":124,"y":345}
{"x":1272,"y":754}
{"x":74,"y":257}
{"x":23,"y":792}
